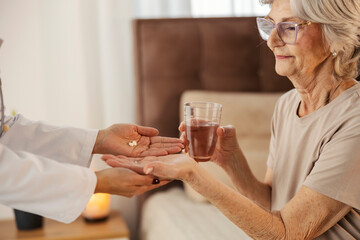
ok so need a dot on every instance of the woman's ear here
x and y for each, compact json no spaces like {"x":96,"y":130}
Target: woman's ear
{"x":335,"y":48}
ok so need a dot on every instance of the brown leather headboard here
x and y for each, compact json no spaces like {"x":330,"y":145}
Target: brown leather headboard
{"x":174,"y":55}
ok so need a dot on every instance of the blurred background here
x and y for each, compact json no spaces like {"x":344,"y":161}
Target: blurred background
{"x":71,"y":62}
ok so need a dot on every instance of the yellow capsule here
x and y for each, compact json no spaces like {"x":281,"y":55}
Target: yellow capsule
{"x":6,"y":128}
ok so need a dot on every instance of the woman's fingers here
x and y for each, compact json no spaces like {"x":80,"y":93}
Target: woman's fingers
{"x":227,"y":137}
{"x":226,"y":134}
{"x":160,"y":170}
{"x":182,"y":126}
{"x":133,"y":164}
{"x":227,"y":131}
{"x":136,"y":167}
{"x":220,"y":131}
{"x":183,"y":137}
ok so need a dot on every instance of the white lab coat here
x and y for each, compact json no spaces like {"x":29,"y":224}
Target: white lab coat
{"x":43,"y":168}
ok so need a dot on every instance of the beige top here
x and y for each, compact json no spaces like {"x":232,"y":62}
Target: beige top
{"x":320,"y":151}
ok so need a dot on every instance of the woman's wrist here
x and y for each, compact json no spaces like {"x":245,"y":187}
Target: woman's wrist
{"x":231,"y":163}
{"x":191,"y":170}
{"x":192,"y":175}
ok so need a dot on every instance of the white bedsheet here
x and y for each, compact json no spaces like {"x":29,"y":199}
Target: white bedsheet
{"x":171,"y":215}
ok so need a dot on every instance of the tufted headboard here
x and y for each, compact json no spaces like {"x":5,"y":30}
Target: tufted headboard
{"x":174,"y":55}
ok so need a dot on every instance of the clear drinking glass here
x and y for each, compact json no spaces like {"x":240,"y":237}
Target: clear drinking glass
{"x":202,"y":119}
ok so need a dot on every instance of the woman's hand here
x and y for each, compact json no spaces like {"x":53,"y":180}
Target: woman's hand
{"x":124,"y":182}
{"x":226,"y":148}
{"x":170,"y":167}
{"x":132,"y":163}
{"x":132,"y":140}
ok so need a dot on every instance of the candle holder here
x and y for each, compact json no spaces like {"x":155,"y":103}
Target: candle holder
{"x":98,"y":208}
{"x":27,"y":221}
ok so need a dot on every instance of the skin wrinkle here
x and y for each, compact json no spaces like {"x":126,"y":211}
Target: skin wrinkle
{"x":311,"y":61}
{"x":209,"y":187}
{"x":339,"y":29}
{"x":246,"y":187}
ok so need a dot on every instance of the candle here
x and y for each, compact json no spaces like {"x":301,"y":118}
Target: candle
{"x":98,"y":208}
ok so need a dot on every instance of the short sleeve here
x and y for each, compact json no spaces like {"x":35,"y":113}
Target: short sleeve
{"x":272,"y":145}
{"x":336,"y":173}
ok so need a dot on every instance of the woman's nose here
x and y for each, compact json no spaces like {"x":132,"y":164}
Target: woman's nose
{"x":274,"y":40}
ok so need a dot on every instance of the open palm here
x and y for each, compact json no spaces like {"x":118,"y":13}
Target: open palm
{"x":170,"y":167}
{"x":118,"y":139}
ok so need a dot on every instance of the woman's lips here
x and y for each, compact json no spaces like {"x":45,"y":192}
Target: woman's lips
{"x":282,"y":57}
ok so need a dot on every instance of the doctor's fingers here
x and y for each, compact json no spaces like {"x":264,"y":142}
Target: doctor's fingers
{"x":159,"y":151}
{"x":141,"y":180}
{"x":120,"y":159}
{"x":110,"y":156}
{"x":166,"y":145}
{"x":147,"y":131}
{"x":159,"y":139}
{"x":141,"y":189}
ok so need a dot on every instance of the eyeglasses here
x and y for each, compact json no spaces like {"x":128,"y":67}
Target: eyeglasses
{"x":287,"y":31}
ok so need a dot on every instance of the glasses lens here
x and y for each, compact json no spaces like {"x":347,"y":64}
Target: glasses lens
{"x":265,"y":28}
{"x":287,"y":32}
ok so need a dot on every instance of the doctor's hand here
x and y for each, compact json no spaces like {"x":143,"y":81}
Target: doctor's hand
{"x":133,"y":141}
{"x":124,"y":182}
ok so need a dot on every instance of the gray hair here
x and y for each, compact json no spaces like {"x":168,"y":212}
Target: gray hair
{"x":340,"y":21}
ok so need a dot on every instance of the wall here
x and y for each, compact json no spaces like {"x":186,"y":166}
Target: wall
{"x":69,"y":63}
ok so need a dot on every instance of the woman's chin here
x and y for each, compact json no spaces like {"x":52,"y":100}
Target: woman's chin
{"x":282,"y":71}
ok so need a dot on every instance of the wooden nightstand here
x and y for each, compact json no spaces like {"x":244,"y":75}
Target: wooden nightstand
{"x":113,"y":228}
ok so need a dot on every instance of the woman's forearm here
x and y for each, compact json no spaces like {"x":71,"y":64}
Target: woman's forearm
{"x":245,"y":182}
{"x":251,"y":218}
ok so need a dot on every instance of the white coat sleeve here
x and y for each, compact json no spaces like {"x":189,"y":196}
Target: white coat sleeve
{"x":63,"y":144}
{"x":37,"y":184}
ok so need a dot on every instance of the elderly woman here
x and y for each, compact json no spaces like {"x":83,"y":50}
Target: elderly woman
{"x":311,"y":186}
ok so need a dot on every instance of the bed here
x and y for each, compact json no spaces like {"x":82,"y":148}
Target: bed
{"x":173,"y":215}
